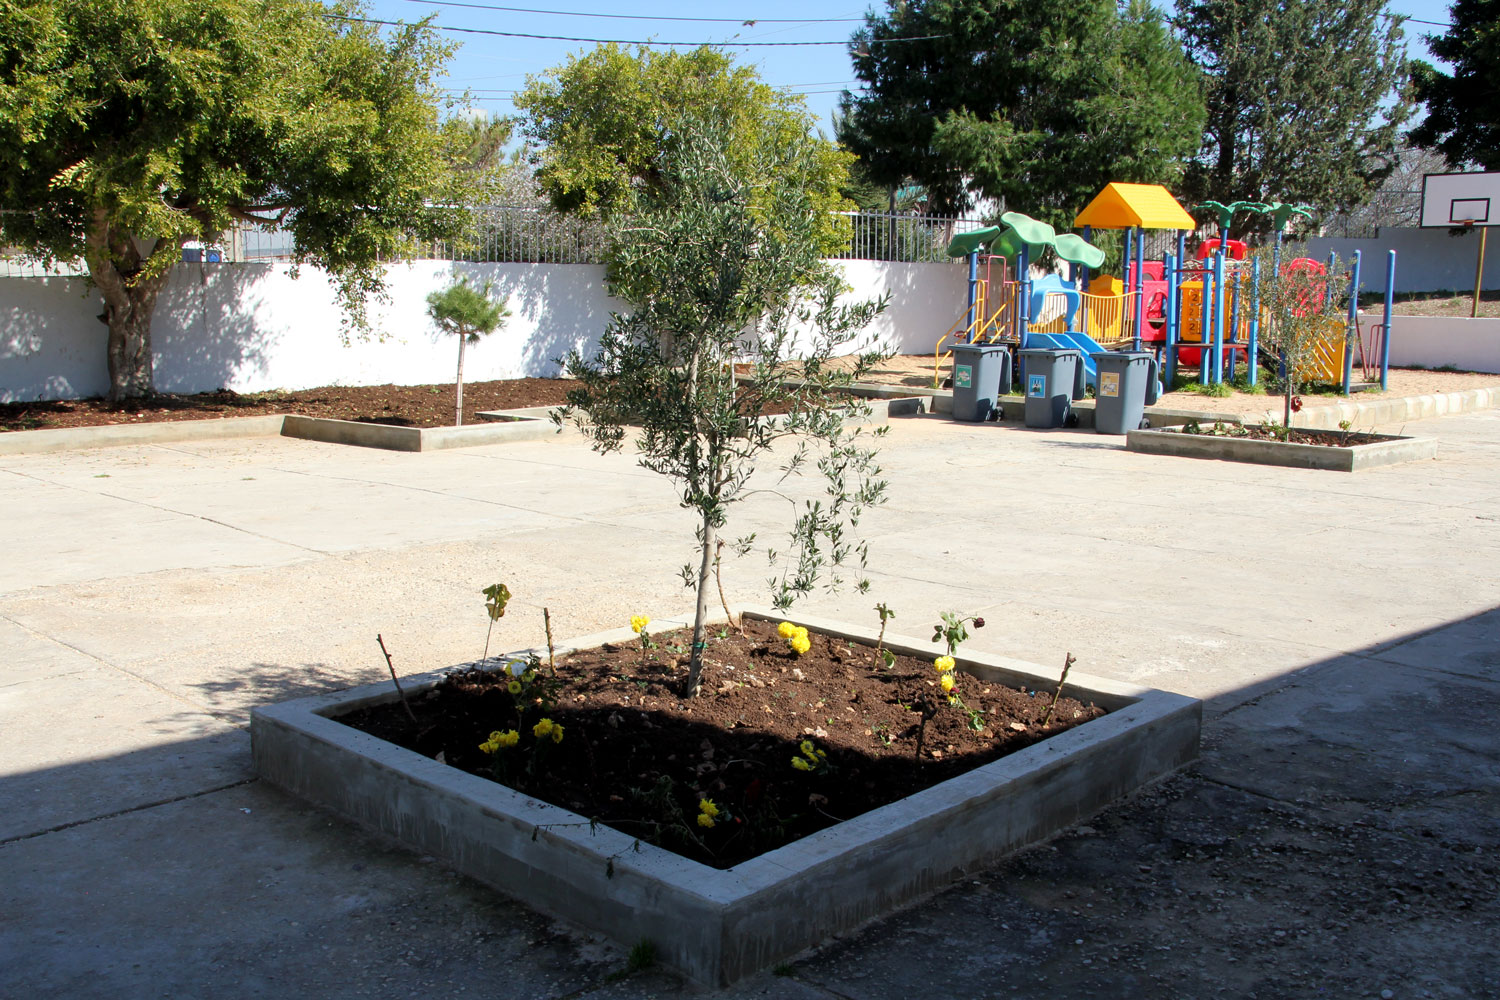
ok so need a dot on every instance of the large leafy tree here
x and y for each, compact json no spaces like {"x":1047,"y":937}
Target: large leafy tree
{"x":1463,"y":108}
{"x":128,"y":127}
{"x":603,"y":122}
{"x":1306,"y":100}
{"x":1037,"y":104}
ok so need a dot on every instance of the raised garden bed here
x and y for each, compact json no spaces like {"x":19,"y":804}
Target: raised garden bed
{"x":728,"y":918}
{"x":1338,"y":451}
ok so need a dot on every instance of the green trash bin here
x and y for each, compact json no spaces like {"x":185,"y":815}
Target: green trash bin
{"x":1052,"y":380}
{"x":980,"y":373}
{"x":1126,"y":386}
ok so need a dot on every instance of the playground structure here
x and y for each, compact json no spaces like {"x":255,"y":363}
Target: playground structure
{"x":1204,"y":312}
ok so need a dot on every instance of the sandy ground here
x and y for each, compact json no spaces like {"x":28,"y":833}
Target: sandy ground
{"x":916,"y":370}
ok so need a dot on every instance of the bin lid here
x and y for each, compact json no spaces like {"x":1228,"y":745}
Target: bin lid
{"x":1050,"y":352}
{"x":1126,"y":356}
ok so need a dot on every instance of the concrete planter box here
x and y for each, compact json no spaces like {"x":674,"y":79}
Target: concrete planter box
{"x":721,"y":926}
{"x":498,"y":427}
{"x":1388,"y":450}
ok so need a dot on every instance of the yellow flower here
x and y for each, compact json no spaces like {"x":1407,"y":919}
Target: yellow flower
{"x":638,"y":623}
{"x":786,"y":630}
{"x":946,"y":682}
{"x":705,"y":820}
{"x":801,"y":764}
{"x":557,"y":732}
{"x":707,"y":807}
{"x":807,"y":748}
{"x":509,"y":738}
{"x":514,"y":687}
{"x":943,"y":664}
{"x":800,"y":643}
{"x":542,"y":729}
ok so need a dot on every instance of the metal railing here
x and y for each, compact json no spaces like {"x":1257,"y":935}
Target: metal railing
{"x":906,"y":238}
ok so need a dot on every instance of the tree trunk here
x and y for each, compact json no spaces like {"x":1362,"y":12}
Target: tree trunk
{"x":695,"y":667}
{"x":129,"y":345}
{"x":458,"y":393}
{"x":116,"y":266}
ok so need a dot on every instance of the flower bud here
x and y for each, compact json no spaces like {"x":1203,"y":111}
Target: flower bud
{"x":979,"y":623}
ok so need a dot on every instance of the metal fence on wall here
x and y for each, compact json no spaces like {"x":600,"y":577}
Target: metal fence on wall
{"x":539,"y":236}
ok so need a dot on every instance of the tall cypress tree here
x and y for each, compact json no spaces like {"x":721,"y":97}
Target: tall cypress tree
{"x":1037,"y":102}
{"x":1463,"y":109}
{"x":1306,"y":99}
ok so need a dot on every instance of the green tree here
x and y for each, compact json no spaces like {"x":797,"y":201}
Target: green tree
{"x":128,"y":127}
{"x":1463,"y":108}
{"x":1301,"y":311}
{"x":1306,"y":100}
{"x":603,"y":121}
{"x":710,"y":284}
{"x":1036,"y":105}
{"x":469,"y":313}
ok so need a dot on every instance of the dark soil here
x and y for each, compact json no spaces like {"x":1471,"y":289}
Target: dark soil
{"x":637,"y":756}
{"x":401,"y":405}
{"x":1254,"y":432}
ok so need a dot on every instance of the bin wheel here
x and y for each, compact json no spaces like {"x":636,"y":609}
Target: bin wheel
{"x":1071,"y":420}
{"x":1145,"y":424}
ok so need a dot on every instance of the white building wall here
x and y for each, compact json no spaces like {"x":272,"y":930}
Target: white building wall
{"x":1435,"y":341}
{"x":1427,"y":260}
{"x":251,"y":327}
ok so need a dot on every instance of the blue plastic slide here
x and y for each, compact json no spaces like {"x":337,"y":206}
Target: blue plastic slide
{"x":1072,"y":339}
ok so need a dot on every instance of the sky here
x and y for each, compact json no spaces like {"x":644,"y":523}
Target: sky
{"x":493,"y":66}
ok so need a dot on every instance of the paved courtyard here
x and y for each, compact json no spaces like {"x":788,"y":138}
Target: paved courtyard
{"x":1339,"y":837}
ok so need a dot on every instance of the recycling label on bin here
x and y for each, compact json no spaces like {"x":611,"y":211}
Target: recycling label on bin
{"x":1036,"y":385}
{"x":963,"y":377}
{"x":1109,"y":383}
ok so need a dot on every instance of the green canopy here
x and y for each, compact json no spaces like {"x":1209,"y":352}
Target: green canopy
{"x":1024,"y":231}
{"x":1073,"y":249}
{"x":966,"y":243}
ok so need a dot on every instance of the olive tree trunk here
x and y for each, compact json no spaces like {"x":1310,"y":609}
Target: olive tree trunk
{"x":700,"y":613}
{"x":458,"y":389}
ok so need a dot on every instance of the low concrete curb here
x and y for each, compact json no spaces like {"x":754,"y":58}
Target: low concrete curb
{"x":720,"y":926}
{"x":108,"y":435}
{"x":1353,"y":458}
{"x":1398,"y":409}
{"x":494,"y":430}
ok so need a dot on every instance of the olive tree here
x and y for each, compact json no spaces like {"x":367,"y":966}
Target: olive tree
{"x":129,"y":127}
{"x":719,"y":261}
{"x":1302,"y":310}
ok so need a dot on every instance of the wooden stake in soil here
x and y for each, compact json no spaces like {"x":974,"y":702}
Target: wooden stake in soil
{"x":719,"y":579}
{"x":392,"y":668}
{"x":551,"y":659}
{"x":1058,"y":693}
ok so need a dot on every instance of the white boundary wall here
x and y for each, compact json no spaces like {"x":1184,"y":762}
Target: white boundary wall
{"x":1427,"y":260}
{"x":1435,"y":341}
{"x":252,"y":327}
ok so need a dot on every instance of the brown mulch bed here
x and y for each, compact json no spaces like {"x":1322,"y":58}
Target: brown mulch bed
{"x":639,"y":757}
{"x":1253,"y":432}
{"x":401,"y":405}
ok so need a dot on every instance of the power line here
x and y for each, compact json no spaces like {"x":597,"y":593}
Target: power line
{"x":625,"y":41}
{"x":643,"y":17}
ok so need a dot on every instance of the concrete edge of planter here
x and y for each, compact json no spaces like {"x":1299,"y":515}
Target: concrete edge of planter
{"x":49,"y":439}
{"x":720,"y":926}
{"x":391,"y":438}
{"x":1353,"y":458}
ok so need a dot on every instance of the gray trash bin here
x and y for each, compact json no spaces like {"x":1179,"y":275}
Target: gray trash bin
{"x":1051,"y":380}
{"x":980,"y":373}
{"x":1126,"y":386}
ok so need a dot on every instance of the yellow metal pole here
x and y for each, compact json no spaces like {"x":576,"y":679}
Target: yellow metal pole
{"x":1479,"y":270}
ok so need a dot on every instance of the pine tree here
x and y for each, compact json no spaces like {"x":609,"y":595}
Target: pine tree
{"x":1039,"y":104}
{"x":1306,"y":99}
{"x":1463,"y":110}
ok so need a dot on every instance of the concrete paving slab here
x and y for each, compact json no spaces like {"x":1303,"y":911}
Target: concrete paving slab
{"x":1469,"y":648}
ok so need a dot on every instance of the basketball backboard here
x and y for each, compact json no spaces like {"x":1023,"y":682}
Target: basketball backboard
{"x":1450,"y":200}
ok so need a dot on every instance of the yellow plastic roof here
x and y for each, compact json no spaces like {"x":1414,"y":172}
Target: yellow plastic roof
{"x":1120,"y":206}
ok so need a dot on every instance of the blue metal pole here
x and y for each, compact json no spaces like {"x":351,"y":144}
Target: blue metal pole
{"x":973,"y":293}
{"x":1218,"y":365}
{"x":1390,"y":302}
{"x":1128,"y":257}
{"x":1233,"y":336}
{"x":1353,"y":324}
{"x":1023,"y":291}
{"x":1253,"y":350}
{"x":1333,"y":264}
{"x":1169,"y":268}
{"x":1083,"y":286}
{"x":1140,"y":283}
{"x":1206,"y":293}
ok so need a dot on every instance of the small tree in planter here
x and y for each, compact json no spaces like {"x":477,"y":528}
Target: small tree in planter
{"x":1301,"y":311}
{"x":470,"y":313}
{"x":720,"y":261}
